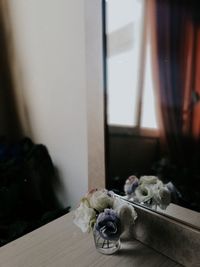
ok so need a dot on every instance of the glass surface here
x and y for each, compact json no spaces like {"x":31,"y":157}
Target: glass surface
{"x":104,"y":246}
{"x":153,"y":102}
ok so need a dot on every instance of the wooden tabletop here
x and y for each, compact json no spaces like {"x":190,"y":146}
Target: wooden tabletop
{"x":61,"y":244}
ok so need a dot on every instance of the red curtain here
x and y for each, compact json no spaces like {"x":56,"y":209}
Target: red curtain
{"x":196,"y":108}
{"x":176,"y":51}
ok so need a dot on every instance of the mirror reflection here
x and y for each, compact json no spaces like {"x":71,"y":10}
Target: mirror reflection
{"x":153,"y":102}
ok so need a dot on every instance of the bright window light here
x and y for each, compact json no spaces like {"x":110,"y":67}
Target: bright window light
{"x":148,"y":119}
{"x":124,"y":42}
{"x":124,"y":20}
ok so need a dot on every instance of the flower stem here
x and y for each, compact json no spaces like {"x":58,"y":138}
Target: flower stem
{"x":107,"y":243}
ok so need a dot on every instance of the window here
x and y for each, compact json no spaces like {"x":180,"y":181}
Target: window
{"x":131,"y":99}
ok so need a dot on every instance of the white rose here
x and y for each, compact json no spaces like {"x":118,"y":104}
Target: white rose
{"x":121,"y":207}
{"x":162,"y":197}
{"x":127,"y":215}
{"x":99,"y":200}
{"x":84,"y":216}
{"x":156,"y":187}
{"x":148,"y":179}
{"x":143,"y":193}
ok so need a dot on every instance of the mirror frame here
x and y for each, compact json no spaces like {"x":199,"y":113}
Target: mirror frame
{"x":176,"y":238}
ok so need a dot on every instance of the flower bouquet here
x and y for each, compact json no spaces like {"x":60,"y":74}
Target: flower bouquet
{"x":108,"y":217}
{"x":148,"y":190}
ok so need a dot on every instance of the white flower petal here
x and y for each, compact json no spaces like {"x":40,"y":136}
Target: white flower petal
{"x":148,"y":179}
{"x":121,"y":208}
{"x":143,"y":193}
{"x":126,"y":212}
{"x":100,"y":200}
{"x":162,"y":197}
{"x":83,"y":216}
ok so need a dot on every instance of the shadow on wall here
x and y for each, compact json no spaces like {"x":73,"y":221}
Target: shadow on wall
{"x":27,"y":197}
{"x":10,"y":125}
{"x":27,"y":175}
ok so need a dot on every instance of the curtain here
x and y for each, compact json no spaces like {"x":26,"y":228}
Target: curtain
{"x":10,"y":126}
{"x":176,"y":38}
{"x":175,"y":32}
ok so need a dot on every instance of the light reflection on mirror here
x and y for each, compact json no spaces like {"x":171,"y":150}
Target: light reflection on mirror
{"x":153,"y":109}
{"x":125,"y":51}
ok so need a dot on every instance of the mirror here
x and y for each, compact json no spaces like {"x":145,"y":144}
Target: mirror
{"x":153,"y":104}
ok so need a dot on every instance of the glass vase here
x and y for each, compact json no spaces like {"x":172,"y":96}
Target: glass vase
{"x":105,"y":246}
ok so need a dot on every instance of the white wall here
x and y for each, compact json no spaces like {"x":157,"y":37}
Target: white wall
{"x":49,"y":39}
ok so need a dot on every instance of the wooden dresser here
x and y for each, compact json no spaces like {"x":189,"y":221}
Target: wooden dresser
{"x":61,"y":244}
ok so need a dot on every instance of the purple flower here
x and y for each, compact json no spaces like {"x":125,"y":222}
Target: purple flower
{"x":131,"y":184}
{"x":108,"y":225}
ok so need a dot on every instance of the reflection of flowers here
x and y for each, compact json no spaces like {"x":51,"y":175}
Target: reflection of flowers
{"x":149,"y":180}
{"x":150,"y":190}
{"x":130,"y":185}
{"x":106,"y":210}
{"x":162,"y":197}
{"x":108,"y":225}
{"x":143,"y":193}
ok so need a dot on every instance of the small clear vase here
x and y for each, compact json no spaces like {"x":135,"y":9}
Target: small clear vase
{"x":105,"y":246}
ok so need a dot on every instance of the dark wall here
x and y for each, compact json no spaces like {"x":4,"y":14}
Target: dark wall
{"x":129,"y":154}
